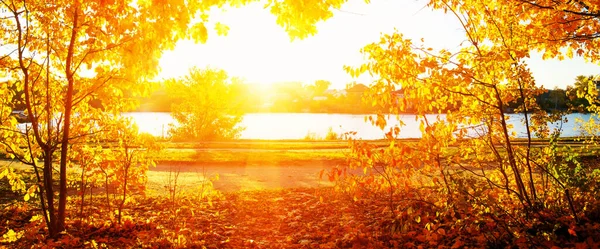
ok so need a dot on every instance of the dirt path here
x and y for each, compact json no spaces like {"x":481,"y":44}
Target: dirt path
{"x":239,"y":177}
{"x":233,"y":177}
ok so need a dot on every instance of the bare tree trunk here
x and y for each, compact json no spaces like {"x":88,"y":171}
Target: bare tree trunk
{"x":82,"y":187}
{"x":527,"y":156}
{"x":49,"y":131}
{"x":106,"y":190}
{"x":22,"y":39}
{"x":510,"y":153}
{"x":91,"y":195}
{"x":62,"y":201}
{"x":52,"y":229}
{"x":126,"y":175}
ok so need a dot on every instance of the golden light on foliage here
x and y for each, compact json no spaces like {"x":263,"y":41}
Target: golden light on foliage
{"x":448,"y":188}
{"x":49,"y":44}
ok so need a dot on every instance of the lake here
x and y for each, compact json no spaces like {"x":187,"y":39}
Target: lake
{"x":273,"y":126}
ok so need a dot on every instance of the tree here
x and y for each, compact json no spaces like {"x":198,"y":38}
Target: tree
{"x":49,"y":46}
{"x":62,"y":55}
{"x":486,"y":74}
{"x":560,"y":29}
{"x":129,"y":161}
{"x":555,"y":99}
{"x":319,"y":88}
{"x":583,"y":93}
{"x":210,"y":106}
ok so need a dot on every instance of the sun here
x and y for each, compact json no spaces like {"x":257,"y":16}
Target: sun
{"x":259,"y":55}
{"x":259,"y":51}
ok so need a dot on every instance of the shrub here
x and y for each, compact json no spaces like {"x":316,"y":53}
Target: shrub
{"x":332,"y":135}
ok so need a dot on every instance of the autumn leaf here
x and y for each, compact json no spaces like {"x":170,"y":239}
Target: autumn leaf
{"x":221,"y":29}
{"x":11,"y":236}
{"x":458,"y":243}
{"x":199,"y":33}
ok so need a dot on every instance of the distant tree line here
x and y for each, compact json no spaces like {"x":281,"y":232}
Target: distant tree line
{"x":319,"y":98}
{"x":293,"y":97}
{"x":296,"y":97}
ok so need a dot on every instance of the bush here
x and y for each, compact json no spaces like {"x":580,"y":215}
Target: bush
{"x":210,"y":106}
{"x":312,"y":136}
{"x":332,"y":135}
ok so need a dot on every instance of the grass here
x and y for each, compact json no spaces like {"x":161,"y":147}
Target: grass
{"x":251,"y":157}
{"x":187,"y":149}
{"x":256,"y":153}
{"x":294,"y":152}
{"x":262,"y":144}
{"x":158,"y":181}
{"x":308,"y":144}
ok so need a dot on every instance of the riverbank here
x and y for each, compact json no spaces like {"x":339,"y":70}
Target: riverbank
{"x":291,"y":152}
{"x":254,"y":152}
{"x":307,"y":144}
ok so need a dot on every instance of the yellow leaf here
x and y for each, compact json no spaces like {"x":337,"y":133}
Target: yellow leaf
{"x":198,"y":32}
{"x":11,"y":236}
{"x":4,"y":173}
{"x":221,"y":29}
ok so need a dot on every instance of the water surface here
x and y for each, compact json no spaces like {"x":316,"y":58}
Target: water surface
{"x":298,"y":125}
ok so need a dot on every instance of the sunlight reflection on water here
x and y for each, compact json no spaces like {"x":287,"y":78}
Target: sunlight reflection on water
{"x":298,"y":125}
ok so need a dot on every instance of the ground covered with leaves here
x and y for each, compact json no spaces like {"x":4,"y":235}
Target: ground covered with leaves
{"x":289,"y":218}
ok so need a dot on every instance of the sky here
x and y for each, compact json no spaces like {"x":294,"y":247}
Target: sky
{"x":259,"y":51}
